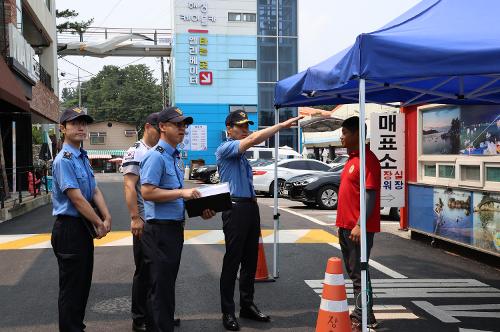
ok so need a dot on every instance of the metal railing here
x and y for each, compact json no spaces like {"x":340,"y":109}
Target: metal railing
{"x":33,"y":183}
{"x":156,"y":36}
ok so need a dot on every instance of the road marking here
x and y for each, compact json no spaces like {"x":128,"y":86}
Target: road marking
{"x":124,"y":238}
{"x":376,"y":265}
{"x":387,"y":312}
{"x":314,"y":220}
{"x":422,"y":288}
{"x":447,"y":315}
{"x":469,"y":330}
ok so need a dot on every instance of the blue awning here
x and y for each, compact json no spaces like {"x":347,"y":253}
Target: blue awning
{"x":440,"y":51}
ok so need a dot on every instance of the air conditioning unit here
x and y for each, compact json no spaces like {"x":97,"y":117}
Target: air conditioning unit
{"x":130,"y":133}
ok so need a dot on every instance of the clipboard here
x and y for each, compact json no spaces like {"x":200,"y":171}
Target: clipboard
{"x":214,"y":197}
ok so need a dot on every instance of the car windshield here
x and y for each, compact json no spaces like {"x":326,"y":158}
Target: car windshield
{"x":340,"y":159}
{"x":337,"y":168}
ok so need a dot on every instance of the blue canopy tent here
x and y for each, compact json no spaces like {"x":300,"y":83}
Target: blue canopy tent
{"x":439,"y":51}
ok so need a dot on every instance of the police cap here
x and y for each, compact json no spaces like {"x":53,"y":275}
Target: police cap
{"x":237,"y":118}
{"x":71,"y":114}
{"x":173,"y":114}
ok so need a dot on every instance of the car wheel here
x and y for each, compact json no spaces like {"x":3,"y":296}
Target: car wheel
{"x":309,"y":204}
{"x":327,"y":197}
{"x":213,"y":178}
{"x":394,"y":213}
{"x":281,"y":187}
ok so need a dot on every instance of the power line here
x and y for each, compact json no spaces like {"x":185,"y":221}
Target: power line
{"x":111,"y":12}
{"x":125,"y":65}
{"x":85,"y":70}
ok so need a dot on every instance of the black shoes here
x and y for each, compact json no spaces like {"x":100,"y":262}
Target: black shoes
{"x":230,"y":323}
{"x":252,"y":312}
{"x":138,"y":327}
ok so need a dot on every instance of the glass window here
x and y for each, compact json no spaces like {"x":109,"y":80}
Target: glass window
{"x":97,"y":140}
{"x":470,"y":172}
{"x":19,"y":15}
{"x":249,"y":17}
{"x":249,"y":64}
{"x":493,"y":174}
{"x":446,"y":171}
{"x":265,"y":155}
{"x":246,"y":108}
{"x":249,"y":154}
{"x":317,"y":166}
{"x":235,"y":63}
{"x":430,"y":170}
{"x":234,"y":17}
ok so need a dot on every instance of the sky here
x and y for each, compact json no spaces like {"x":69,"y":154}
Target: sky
{"x":325,"y":27}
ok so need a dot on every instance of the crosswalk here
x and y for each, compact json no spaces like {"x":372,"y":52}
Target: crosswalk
{"x":124,"y":238}
{"x":421,"y":288}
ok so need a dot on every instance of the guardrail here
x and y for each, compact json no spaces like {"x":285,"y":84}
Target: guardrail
{"x":157,"y":36}
{"x":30,"y":177}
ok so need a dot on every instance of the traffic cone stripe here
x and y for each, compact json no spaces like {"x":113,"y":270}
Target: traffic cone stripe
{"x":334,"y":266}
{"x":334,"y":306}
{"x":334,"y":293}
{"x":334,"y":279}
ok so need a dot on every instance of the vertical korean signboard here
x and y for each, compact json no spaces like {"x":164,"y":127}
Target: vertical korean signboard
{"x":388,"y":143}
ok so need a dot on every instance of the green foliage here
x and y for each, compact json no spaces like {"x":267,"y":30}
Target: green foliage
{"x":119,"y":94}
{"x":73,"y":26}
{"x":37,"y":135}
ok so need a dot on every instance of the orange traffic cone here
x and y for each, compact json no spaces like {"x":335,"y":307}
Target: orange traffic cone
{"x":333,"y":313}
{"x":262,"y":274}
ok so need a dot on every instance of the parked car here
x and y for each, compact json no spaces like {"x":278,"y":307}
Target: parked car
{"x":206,"y":173}
{"x":263,"y":175}
{"x":264,"y":153}
{"x":392,"y":212}
{"x":339,"y":160}
{"x":314,"y":189}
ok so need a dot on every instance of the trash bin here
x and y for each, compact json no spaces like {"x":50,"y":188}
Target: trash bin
{"x":195,"y":163}
{"x":49,"y":183}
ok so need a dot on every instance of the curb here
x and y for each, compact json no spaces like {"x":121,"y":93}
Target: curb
{"x":25,"y":207}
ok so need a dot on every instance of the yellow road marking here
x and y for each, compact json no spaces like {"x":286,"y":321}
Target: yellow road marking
{"x":191,"y":233}
{"x":318,"y":236}
{"x":112,"y":236}
{"x":24,"y":242}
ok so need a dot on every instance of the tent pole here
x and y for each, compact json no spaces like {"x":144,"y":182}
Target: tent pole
{"x":276,"y":215}
{"x":362,"y":203}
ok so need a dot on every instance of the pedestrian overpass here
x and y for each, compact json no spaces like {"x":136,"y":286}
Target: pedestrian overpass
{"x":126,"y":42}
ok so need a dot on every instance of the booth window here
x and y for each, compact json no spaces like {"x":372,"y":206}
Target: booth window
{"x":493,"y":174}
{"x":238,"y":63}
{"x":241,"y":17}
{"x":97,"y":138}
{"x":446,"y":171}
{"x":430,"y":170}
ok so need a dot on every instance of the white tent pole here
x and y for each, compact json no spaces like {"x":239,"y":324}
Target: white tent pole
{"x":276,"y":215}
{"x":362,"y":203}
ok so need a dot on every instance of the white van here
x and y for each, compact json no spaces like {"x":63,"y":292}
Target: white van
{"x":285,"y":152}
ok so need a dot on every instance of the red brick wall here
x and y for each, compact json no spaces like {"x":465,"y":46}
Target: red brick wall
{"x":10,"y":11}
{"x":45,"y":102}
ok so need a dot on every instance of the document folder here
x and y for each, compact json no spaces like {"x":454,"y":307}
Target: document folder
{"x":214,"y":197}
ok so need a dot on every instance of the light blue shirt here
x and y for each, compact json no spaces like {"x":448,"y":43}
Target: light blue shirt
{"x":234,"y":168}
{"x":163,"y":168}
{"x":71,"y":170}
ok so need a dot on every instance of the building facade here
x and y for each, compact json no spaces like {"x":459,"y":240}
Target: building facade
{"x":28,"y":56}
{"x":220,"y":63}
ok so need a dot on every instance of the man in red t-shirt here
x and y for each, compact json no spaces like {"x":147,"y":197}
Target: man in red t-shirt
{"x":348,"y":220}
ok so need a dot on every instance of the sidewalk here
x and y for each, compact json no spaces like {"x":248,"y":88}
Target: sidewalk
{"x":13,"y":208}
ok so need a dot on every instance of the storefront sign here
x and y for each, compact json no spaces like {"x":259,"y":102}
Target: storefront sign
{"x":198,"y":52}
{"x":195,"y":139}
{"x":388,"y":144}
{"x":22,"y":52}
{"x":198,"y":13}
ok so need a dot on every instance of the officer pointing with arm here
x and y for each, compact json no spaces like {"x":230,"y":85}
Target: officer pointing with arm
{"x":162,"y":179}
{"x":74,"y":188}
{"x":241,"y":225}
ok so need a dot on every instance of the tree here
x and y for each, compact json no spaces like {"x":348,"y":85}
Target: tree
{"x":73,"y":26}
{"x":119,"y":94}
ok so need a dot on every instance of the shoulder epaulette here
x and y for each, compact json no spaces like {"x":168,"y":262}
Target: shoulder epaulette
{"x":160,"y":149}
{"x":137,"y":144}
{"x":67,"y":155}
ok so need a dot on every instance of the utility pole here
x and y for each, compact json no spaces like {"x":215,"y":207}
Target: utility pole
{"x":79,"y":90}
{"x":163,"y":92}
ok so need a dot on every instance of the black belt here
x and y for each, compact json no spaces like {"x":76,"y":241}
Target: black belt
{"x":244,"y":199}
{"x":68,"y":217}
{"x":164,"y":221}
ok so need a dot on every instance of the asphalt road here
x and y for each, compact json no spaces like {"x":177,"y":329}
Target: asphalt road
{"x":417,"y":287}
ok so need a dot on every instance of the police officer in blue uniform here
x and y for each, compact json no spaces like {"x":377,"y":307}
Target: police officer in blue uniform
{"x":241,"y":225}
{"x":162,"y":182}
{"x":74,"y":189}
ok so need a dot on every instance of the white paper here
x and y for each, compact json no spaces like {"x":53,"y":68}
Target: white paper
{"x":214,"y":189}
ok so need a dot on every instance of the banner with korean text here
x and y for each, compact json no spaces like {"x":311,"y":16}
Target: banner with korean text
{"x":388,"y":143}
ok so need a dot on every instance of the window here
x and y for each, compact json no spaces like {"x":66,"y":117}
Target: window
{"x":492,"y":174}
{"x":246,"y":108}
{"x":238,"y":63}
{"x":130,"y":133}
{"x":249,"y":154}
{"x":317,"y":166}
{"x":430,"y":170}
{"x":241,"y":17}
{"x":470,"y":172}
{"x":235,"y":63}
{"x":97,"y":138}
{"x":296,"y":164}
{"x":252,"y":64}
{"x":265,"y":155}
{"x":446,"y":171}
{"x":19,"y":15}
